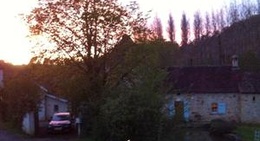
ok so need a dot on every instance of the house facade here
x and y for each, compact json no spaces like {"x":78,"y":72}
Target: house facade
{"x":51,"y":104}
{"x":48,"y":105}
{"x":205,"y":93}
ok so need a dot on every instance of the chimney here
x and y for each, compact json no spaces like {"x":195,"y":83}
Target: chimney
{"x":235,"y":62}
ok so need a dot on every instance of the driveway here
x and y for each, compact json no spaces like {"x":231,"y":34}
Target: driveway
{"x":7,"y":136}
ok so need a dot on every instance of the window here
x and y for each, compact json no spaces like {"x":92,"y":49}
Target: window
{"x":214,"y":107}
{"x":218,"y":108}
{"x":56,"y":108}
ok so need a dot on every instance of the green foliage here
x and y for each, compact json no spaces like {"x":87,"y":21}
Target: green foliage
{"x":133,"y":109}
{"x":249,"y":61}
{"x":21,"y":95}
{"x":246,"y":131}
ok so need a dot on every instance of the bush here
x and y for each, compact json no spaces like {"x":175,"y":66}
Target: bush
{"x":221,"y":127}
{"x":132,"y":116}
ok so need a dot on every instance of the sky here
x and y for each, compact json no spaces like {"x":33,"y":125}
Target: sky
{"x":15,"y":46}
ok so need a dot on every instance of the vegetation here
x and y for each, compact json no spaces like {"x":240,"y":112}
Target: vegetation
{"x":247,"y":131}
{"x":19,"y":95}
{"x":114,"y":83}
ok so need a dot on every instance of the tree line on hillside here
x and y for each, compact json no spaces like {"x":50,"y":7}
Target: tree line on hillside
{"x":206,"y":25}
{"x":221,"y":34}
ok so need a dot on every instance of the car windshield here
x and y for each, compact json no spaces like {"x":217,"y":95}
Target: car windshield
{"x":60,"y":117}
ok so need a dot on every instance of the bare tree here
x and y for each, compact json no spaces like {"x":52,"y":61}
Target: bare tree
{"x":258,"y":6}
{"x":197,"y":25}
{"x":207,"y":24}
{"x":171,"y":28}
{"x":185,"y":28}
{"x":214,"y":22}
{"x":246,"y":10}
{"x":222,"y":22}
{"x":234,"y":12}
{"x":157,"y":28}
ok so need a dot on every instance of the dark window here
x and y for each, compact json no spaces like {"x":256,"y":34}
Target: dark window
{"x":56,"y":108}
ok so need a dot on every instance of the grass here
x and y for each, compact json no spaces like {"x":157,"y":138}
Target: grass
{"x":247,"y":131}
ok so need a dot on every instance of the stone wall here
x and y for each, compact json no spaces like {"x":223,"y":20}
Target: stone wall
{"x":200,"y":106}
{"x":243,"y":108}
{"x":250,"y":108}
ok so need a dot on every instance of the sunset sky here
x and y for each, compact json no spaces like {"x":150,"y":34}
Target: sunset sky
{"x":15,"y":47}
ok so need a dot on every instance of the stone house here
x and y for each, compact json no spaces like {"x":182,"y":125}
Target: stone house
{"x":208,"y":92}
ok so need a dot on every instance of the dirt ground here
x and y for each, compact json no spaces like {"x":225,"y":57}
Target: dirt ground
{"x":7,"y":136}
{"x":42,"y":136}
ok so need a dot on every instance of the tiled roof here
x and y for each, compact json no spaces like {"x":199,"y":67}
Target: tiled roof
{"x":205,"y":79}
{"x":250,"y":82}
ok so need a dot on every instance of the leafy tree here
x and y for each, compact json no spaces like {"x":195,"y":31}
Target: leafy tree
{"x":249,"y":61}
{"x":133,"y":111}
{"x":171,"y":28}
{"x":21,"y":95}
{"x":185,"y":28}
{"x":86,"y":32}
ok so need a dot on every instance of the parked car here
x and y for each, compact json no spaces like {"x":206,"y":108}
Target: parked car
{"x":60,"y":122}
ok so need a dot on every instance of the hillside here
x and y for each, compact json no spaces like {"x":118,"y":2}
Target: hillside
{"x":238,"y":39}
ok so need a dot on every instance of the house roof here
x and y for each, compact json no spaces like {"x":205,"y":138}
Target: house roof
{"x":205,"y":79}
{"x":46,"y":93}
{"x":56,"y":98}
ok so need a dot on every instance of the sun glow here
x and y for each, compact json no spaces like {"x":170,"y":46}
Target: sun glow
{"x":15,"y":45}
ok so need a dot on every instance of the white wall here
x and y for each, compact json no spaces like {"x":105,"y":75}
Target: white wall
{"x":50,"y":102}
{"x":41,"y":112}
{"x":28,"y":124}
{"x":250,"y":108}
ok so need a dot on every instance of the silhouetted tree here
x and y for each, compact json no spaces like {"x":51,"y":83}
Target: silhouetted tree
{"x":214,"y":22}
{"x":83,"y":29}
{"x":86,"y":31}
{"x":258,"y":6}
{"x":233,"y":12}
{"x":157,"y":28}
{"x":197,"y":25}
{"x":185,"y":28}
{"x":207,"y":24}
{"x":222,"y":22}
{"x":171,"y":28}
{"x":246,"y":10}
